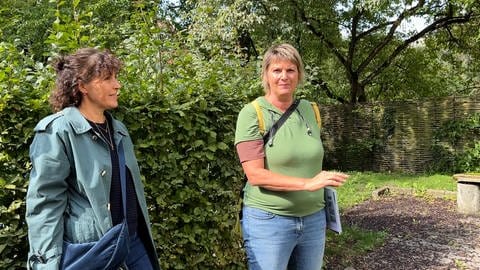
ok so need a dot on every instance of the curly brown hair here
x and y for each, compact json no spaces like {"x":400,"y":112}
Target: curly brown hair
{"x":84,"y":65}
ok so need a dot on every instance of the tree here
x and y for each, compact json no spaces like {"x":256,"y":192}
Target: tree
{"x":363,"y":39}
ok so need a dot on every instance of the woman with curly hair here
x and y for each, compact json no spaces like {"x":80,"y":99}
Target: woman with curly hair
{"x":75,"y":191}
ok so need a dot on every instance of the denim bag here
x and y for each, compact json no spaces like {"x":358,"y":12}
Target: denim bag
{"x":110,"y":251}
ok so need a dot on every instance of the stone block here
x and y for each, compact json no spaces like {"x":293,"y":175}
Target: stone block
{"x":468,"y":198}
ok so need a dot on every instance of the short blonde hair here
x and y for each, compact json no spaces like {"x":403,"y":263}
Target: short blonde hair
{"x":282,"y":51}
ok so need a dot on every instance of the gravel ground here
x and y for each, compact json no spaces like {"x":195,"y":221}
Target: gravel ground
{"x":423,"y":233}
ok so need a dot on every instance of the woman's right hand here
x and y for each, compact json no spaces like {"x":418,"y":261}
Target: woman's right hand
{"x":326,"y":178}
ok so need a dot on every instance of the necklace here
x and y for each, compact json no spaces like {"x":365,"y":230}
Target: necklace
{"x":105,"y":134}
{"x":103,"y":129}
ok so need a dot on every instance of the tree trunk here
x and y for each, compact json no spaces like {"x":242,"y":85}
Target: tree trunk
{"x":357,"y":90}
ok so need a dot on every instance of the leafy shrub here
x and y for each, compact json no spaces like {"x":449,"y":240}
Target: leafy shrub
{"x":22,"y":104}
{"x":184,"y":142}
{"x":456,"y":146}
{"x":184,"y":147}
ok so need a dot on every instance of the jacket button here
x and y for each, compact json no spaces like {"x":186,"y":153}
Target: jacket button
{"x":103,"y":173}
{"x":94,"y":137}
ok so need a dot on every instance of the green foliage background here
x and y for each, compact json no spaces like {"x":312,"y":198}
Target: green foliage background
{"x":180,"y":109}
{"x":453,"y":152}
{"x":182,"y":90}
{"x":184,"y":144}
{"x":22,"y":103}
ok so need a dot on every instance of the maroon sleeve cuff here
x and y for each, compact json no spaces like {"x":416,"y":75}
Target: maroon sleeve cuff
{"x":250,"y":150}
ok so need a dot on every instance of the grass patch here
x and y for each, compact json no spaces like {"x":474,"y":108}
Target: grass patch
{"x":354,"y":242}
{"x":360,"y":185}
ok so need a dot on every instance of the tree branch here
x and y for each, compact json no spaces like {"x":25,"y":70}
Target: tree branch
{"x":389,"y":37}
{"x":354,"y":39}
{"x":374,"y":29}
{"x":440,"y":23}
{"x":323,"y":85}
{"x":309,"y":23}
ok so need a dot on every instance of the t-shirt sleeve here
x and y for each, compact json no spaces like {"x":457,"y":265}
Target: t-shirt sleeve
{"x":247,"y":125}
{"x":250,"y":150}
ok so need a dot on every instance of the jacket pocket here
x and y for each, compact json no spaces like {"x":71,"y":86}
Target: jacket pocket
{"x":80,"y":226}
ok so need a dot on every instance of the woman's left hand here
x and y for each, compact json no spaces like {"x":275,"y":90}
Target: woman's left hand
{"x":326,"y":178}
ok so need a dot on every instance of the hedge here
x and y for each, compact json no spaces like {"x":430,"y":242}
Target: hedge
{"x":184,"y":145}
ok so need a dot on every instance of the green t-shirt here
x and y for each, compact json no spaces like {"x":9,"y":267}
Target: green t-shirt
{"x":293,"y":152}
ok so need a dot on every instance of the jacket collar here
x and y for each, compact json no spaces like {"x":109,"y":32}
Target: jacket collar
{"x":80,"y":125}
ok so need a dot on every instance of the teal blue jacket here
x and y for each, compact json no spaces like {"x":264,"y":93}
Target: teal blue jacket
{"x":68,"y":193}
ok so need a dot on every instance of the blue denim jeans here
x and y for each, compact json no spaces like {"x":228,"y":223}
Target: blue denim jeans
{"x":138,"y":257}
{"x":275,"y":242}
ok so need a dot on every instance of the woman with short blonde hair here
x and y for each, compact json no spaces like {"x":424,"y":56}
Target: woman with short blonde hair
{"x":282,"y":51}
{"x":283,"y":217}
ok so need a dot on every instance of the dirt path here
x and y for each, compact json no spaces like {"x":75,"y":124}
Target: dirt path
{"x":422,"y":234}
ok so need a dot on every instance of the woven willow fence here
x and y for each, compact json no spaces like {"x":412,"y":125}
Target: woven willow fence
{"x":394,"y":136}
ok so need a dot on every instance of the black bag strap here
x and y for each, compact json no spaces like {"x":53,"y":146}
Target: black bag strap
{"x":123,"y":176}
{"x":268,"y":137}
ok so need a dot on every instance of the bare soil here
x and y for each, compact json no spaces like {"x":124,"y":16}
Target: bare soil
{"x":422,"y":233}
